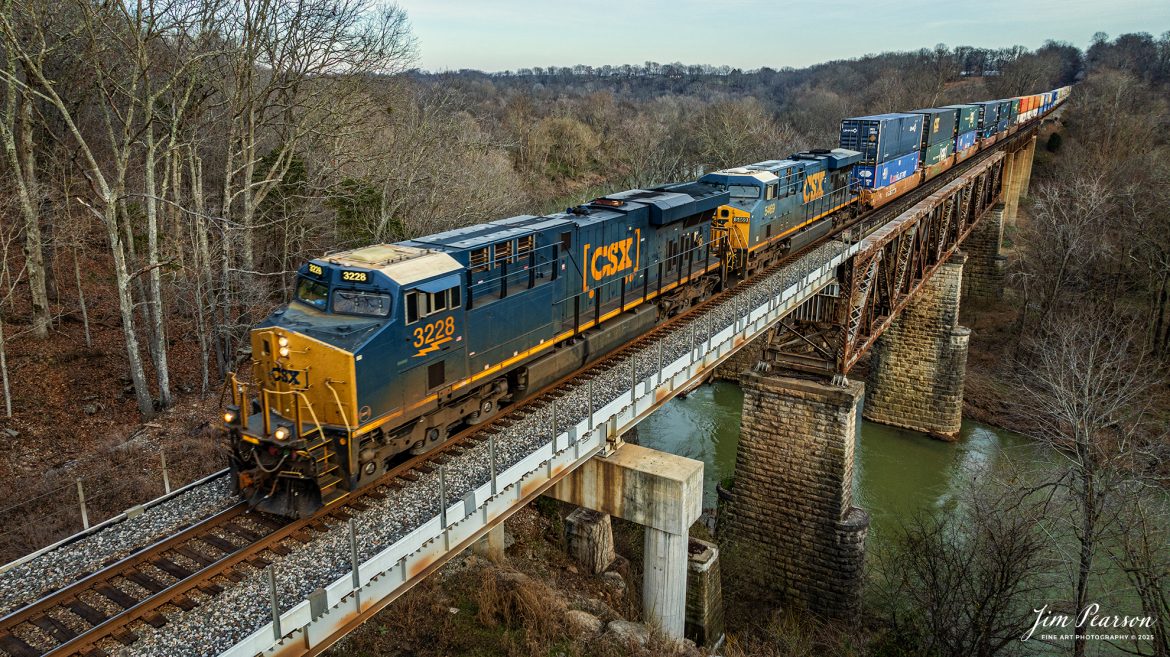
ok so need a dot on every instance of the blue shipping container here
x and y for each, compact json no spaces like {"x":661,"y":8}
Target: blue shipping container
{"x":882,"y":137}
{"x":875,"y":176}
{"x":965,"y":141}
{"x":988,"y":117}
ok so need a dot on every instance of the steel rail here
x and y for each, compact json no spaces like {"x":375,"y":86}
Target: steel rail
{"x":867,"y":221}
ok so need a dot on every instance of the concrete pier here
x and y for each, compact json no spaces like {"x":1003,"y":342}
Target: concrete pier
{"x":663,"y":493}
{"x":791,"y":507}
{"x":491,"y":546}
{"x":919,"y":364}
{"x":704,"y":594}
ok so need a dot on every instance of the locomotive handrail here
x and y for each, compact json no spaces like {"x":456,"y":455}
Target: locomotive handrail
{"x":340,"y":407}
{"x":301,"y":395}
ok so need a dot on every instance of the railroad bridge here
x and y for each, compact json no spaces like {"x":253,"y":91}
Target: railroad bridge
{"x":889,"y":284}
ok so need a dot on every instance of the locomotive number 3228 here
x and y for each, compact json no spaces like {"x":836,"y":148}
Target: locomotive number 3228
{"x":435,"y":333}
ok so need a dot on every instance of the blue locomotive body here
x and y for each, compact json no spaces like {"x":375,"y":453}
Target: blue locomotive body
{"x":394,"y":347}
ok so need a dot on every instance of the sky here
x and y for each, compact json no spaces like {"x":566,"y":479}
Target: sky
{"x":496,"y":35}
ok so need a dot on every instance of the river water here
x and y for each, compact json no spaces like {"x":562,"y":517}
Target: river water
{"x":897,"y":473}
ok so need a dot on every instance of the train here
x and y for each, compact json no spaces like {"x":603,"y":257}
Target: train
{"x":390,"y":349}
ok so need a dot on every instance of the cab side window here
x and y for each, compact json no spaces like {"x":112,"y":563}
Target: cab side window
{"x":437,"y":302}
{"x":411,"y":307}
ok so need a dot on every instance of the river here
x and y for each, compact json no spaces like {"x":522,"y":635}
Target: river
{"x":897,"y":473}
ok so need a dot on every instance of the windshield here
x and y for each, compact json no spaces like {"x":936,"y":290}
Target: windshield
{"x":355,"y":302}
{"x":312,"y":293}
{"x":744,"y":191}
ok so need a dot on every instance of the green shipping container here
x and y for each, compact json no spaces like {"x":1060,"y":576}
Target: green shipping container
{"x":932,"y":155}
{"x":968,"y":117}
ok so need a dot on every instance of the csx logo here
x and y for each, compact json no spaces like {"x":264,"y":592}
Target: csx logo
{"x":281,"y":375}
{"x":814,"y":186}
{"x":611,"y":259}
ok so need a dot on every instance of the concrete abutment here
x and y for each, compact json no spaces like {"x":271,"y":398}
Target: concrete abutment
{"x":663,"y":493}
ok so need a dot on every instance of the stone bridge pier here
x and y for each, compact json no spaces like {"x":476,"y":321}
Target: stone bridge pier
{"x":983,"y":280}
{"x":791,"y":515}
{"x":918,"y":365}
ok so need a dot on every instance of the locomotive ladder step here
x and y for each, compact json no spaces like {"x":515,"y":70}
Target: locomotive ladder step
{"x":327,"y":481}
{"x":332,"y":496}
{"x":325,"y":473}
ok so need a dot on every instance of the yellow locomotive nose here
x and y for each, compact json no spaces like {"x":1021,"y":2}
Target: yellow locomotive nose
{"x":306,"y":382}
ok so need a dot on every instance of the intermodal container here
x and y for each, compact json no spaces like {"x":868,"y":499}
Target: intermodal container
{"x":882,"y":137}
{"x":938,"y":124}
{"x":965,"y":141}
{"x":875,"y":176}
{"x":935,"y":153}
{"x":1005,"y":115}
{"x":968,"y":117}
{"x":1014,"y":105}
{"x":988,"y":117}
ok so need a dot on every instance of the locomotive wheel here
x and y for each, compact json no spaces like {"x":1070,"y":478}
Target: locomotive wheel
{"x":433,"y":438}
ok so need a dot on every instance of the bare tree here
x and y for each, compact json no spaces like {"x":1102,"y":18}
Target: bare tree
{"x":1062,"y":242}
{"x":16,"y":131}
{"x":1089,"y":395}
{"x":962,"y":583}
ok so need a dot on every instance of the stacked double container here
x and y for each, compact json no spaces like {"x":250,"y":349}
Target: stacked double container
{"x":1006,"y":118}
{"x":966,"y":126}
{"x":889,"y":145}
{"x":938,"y":134}
{"x":988,"y":124}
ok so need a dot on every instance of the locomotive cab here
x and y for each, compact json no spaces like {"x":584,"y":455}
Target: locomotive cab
{"x":302,"y":431}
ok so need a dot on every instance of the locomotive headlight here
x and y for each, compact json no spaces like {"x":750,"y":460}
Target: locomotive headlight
{"x":281,"y":433}
{"x":231,"y":414}
{"x":282,"y":341}
{"x":284,"y":350}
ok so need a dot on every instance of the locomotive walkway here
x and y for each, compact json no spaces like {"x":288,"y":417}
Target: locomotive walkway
{"x":298,"y":590}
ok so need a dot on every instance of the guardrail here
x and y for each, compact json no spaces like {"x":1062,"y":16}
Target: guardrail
{"x":330,"y":613}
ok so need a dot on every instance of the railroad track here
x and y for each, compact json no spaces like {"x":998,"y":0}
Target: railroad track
{"x":98,"y":613}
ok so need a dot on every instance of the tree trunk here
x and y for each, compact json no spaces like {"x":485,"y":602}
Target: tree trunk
{"x":18,"y":150}
{"x":1085,"y":563}
{"x":589,"y":537}
{"x":158,"y":329}
{"x":126,"y":306}
{"x":4,"y":372}
{"x":81,"y":300}
{"x":25,"y":169}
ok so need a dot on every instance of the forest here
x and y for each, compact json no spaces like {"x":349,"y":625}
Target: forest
{"x":168,"y":166}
